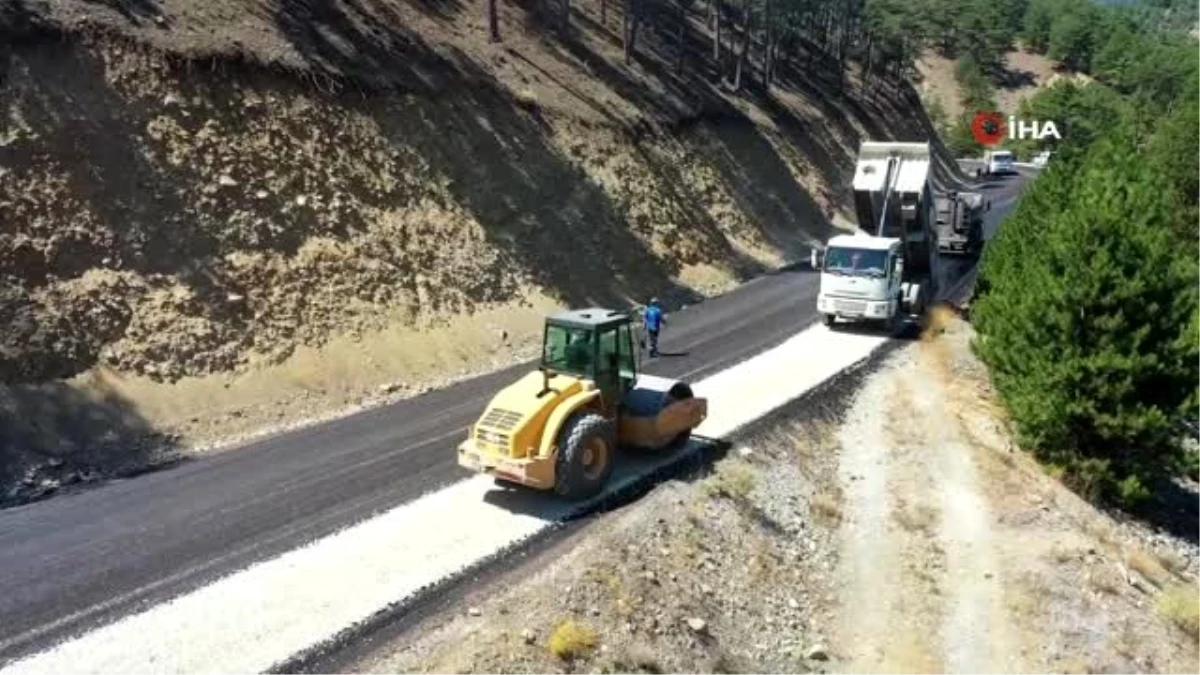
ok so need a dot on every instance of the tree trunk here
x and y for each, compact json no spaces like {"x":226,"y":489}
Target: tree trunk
{"x":631,"y":28}
{"x":604,"y":13}
{"x":768,"y":28}
{"x":867,"y":65}
{"x":565,"y":19}
{"x":741,"y":61}
{"x":493,"y":22}
{"x":717,"y":43}
{"x":681,"y":37}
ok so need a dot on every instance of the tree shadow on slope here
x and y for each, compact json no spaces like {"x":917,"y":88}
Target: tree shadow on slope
{"x":134,"y":11}
{"x":55,"y":436}
{"x":555,"y":224}
{"x":762,"y":184}
{"x":1173,"y":508}
{"x":364,"y":40}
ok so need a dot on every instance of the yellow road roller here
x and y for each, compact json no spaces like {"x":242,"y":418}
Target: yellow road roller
{"x":558,"y":427}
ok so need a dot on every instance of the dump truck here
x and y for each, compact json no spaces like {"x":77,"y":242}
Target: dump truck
{"x":558,"y":428}
{"x":884,"y":271}
{"x":960,"y":222}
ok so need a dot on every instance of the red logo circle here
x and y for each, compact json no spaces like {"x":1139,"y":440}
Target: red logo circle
{"x":988,"y":128}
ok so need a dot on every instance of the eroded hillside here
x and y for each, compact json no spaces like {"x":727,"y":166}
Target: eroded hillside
{"x":203,"y":199}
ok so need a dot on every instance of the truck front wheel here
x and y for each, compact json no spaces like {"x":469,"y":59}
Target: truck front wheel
{"x":586,"y":447}
{"x":830,"y":320}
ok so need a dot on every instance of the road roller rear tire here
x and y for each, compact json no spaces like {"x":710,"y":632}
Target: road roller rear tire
{"x":586,"y":451}
{"x":680,"y":392}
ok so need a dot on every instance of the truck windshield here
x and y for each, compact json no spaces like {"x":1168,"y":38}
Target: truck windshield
{"x":856,"y":262}
{"x":1002,"y":157}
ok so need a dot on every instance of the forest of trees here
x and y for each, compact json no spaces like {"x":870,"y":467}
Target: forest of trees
{"x":1087,"y":305}
{"x":751,"y":37}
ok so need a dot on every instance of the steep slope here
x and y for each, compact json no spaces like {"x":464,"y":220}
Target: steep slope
{"x":228,"y":213}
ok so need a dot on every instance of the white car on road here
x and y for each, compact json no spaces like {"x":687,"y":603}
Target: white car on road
{"x":998,"y":163}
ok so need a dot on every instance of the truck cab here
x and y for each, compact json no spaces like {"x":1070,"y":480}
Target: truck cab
{"x":999,"y":163}
{"x":862,"y":278}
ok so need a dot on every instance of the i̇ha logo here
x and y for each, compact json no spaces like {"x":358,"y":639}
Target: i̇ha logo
{"x":990,"y":128}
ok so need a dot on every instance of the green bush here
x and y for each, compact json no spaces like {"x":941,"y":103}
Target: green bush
{"x":1086,"y":312}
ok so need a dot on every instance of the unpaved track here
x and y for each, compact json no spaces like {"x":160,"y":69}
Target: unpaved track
{"x":922,"y":588}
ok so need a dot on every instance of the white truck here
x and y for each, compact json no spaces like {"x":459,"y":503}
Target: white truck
{"x":883,"y":272}
{"x":999,"y":163}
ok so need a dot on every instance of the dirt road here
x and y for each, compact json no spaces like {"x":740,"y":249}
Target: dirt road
{"x":959,"y":555}
{"x":922,"y":589}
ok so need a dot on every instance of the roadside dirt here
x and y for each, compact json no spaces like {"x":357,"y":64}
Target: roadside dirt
{"x":960,"y":555}
{"x":897,"y":530}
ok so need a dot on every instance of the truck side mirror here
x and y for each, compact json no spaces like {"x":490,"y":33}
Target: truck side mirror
{"x":816,"y":258}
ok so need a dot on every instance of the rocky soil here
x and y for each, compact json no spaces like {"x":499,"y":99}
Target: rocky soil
{"x":896,"y":530}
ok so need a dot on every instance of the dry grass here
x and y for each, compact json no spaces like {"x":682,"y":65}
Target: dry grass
{"x":1148,"y":566}
{"x":1105,"y":580}
{"x":1100,"y":529}
{"x":572,"y":640}
{"x":1072,"y":666}
{"x":915,"y":517}
{"x":826,"y":509}
{"x":733,"y":480}
{"x":1063,"y":554}
{"x":1172,"y":562}
{"x":1125,"y":640}
{"x":1180,"y":605}
{"x":1028,"y":595}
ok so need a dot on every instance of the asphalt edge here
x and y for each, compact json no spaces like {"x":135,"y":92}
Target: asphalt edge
{"x":822,"y":402}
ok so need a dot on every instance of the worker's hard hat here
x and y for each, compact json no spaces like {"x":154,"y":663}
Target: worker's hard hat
{"x":654,"y":301}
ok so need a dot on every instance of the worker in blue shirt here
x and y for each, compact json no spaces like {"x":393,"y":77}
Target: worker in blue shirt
{"x":653,"y":320}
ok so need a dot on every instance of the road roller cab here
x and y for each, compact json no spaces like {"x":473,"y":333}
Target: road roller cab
{"x":558,"y":427}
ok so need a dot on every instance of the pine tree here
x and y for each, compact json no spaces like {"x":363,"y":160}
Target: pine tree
{"x":1084,"y":318}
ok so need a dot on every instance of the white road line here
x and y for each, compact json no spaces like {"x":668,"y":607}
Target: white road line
{"x":275,"y":609}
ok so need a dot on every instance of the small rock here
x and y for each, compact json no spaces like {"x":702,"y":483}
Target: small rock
{"x":160,"y":20}
{"x":301,"y":200}
{"x":745,"y":452}
{"x":261,"y":194}
{"x":226,"y":180}
{"x":697,"y":624}
{"x":792,"y":603}
{"x":594,"y":611}
{"x":528,"y":636}
{"x":474,"y":611}
{"x":391,"y":387}
{"x":235,"y":297}
{"x":648,"y":575}
{"x":706,"y":589}
{"x":170,"y":99}
{"x":817,"y":653}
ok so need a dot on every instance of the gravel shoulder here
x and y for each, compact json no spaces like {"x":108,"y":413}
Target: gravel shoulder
{"x":890,"y":526}
{"x":959,"y":553}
